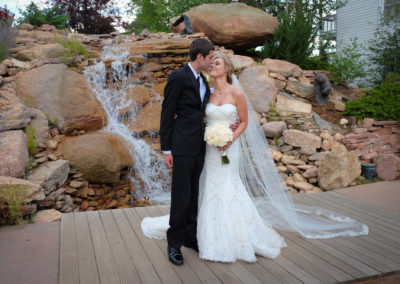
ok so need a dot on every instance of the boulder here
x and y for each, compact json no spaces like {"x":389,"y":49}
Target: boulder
{"x":299,"y":138}
{"x":282,"y":67}
{"x":388,"y":166}
{"x":63,"y":95}
{"x":274,"y":128}
{"x":137,"y":97}
{"x":99,"y":156}
{"x":286,"y":104}
{"x":300,"y":89}
{"x":259,"y":87}
{"x":41,"y":52}
{"x":339,"y":168}
{"x":50,"y":175}
{"x":13,"y":112}
{"x":41,"y":125}
{"x":25,"y":26}
{"x":27,"y":190}
{"x":3,"y":69}
{"x":241,"y":62}
{"x":14,"y":154}
{"x":50,"y":215}
{"x":234,"y":25}
{"x":148,"y":119}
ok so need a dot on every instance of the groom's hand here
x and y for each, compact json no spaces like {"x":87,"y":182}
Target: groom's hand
{"x":233,"y":127}
{"x":168,"y":160}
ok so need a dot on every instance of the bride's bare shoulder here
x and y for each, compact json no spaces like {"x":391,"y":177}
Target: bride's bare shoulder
{"x":236,"y":92}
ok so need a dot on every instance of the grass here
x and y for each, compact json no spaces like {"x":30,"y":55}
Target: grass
{"x":11,"y":199}
{"x":73,"y":48}
{"x":32,"y":143}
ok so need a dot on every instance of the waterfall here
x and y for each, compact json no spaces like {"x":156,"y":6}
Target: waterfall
{"x":110,"y":88}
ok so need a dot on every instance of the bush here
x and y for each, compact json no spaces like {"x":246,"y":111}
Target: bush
{"x":11,"y":200}
{"x":73,"y":48}
{"x":315,"y":63}
{"x":36,"y":17}
{"x":347,"y":64}
{"x":6,"y":19}
{"x":380,"y":103}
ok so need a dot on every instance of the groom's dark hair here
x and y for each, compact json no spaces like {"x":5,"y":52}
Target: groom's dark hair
{"x":200,"y":45}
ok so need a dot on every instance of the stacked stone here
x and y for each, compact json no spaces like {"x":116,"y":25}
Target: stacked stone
{"x":374,"y":138}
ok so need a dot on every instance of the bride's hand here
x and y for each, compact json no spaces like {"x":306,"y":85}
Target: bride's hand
{"x":225,"y":147}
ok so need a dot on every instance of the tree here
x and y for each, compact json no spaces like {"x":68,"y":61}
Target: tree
{"x":293,"y":41}
{"x":90,"y":16}
{"x":37,"y":17}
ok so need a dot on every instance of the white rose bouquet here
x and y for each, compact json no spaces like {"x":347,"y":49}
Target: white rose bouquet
{"x":218,"y":135}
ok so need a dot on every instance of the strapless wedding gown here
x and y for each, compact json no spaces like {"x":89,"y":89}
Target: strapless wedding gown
{"x":229,"y":226}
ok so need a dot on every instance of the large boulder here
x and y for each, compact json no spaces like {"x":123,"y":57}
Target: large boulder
{"x":14,"y":154}
{"x":43,"y":51}
{"x":282,"y":67}
{"x":235,"y":25}
{"x":339,"y":168}
{"x":301,"y":89}
{"x":299,"y":138}
{"x":147,"y":119}
{"x":388,"y":166}
{"x":285,"y":104}
{"x":241,"y":62}
{"x":50,"y":175}
{"x":63,"y":95}
{"x":259,"y":87}
{"x":26,"y":190}
{"x":13,"y":112}
{"x":136,"y":97}
{"x":99,"y":156}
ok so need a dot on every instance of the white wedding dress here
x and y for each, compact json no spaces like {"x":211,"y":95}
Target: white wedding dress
{"x":228,"y":224}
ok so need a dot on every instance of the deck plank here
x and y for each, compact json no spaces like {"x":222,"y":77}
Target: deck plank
{"x":69,"y":271}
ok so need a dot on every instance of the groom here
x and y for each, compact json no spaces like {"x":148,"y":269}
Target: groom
{"x":182,"y":142}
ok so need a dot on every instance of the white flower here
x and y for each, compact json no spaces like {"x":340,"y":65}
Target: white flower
{"x":218,"y":135}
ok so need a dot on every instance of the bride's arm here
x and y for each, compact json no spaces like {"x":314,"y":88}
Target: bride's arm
{"x":241,"y":106}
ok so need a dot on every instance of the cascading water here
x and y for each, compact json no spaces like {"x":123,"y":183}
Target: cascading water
{"x":148,"y":165}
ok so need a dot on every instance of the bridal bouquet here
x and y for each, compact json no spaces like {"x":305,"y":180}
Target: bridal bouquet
{"x":218,"y":135}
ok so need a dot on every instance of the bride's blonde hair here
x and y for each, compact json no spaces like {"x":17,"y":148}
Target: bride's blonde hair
{"x":227,"y":63}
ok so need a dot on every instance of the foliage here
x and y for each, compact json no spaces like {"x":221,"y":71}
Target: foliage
{"x":293,"y":40}
{"x":315,"y":63}
{"x":6,"y":19}
{"x":380,"y":103}
{"x":154,"y":15}
{"x":11,"y":199}
{"x":385,"y":49}
{"x":90,"y":17}
{"x":73,"y":48}
{"x":273,"y":7}
{"x":32,"y":143}
{"x":37,"y":17}
{"x":347,"y":64}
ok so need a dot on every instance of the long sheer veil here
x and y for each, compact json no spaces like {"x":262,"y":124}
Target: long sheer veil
{"x":271,"y":197}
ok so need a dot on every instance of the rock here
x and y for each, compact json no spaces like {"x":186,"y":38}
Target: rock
{"x":76,"y":184}
{"x":310,"y":173}
{"x":259,"y":87}
{"x":281,"y":169}
{"x":148,"y":119}
{"x":48,"y":28}
{"x":286,"y":159}
{"x":45,"y":216}
{"x":286,"y":104}
{"x":52,"y":144}
{"x":156,"y":46}
{"x":20,"y":64}
{"x":50,"y":175}
{"x":325,"y":134}
{"x":344,"y":121}
{"x":298,"y":178}
{"x":41,"y":125}
{"x":52,"y":157}
{"x":138,"y":96}
{"x":308,"y":150}
{"x":13,"y":112}
{"x":293,"y":169}
{"x":63,"y":95}
{"x":242,"y":62}
{"x":26,"y":189}
{"x":339,"y":105}
{"x":274,"y":128}
{"x":300,"y":89}
{"x":247,"y":26}
{"x":41,"y":52}
{"x":99,"y":156}
{"x":298,"y":138}
{"x":25,"y":26}
{"x":338,"y":137}
{"x":323,"y":124}
{"x":388,"y":166}
{"x":282,"y":67}
{"x":3,"y":69}
{"x":14,"y":154}
{"x":327,"y":144}
{"x":303,"y":186}
{"x":339,"y":168}
{"x":276,"y":155}
{"x":318,"y":157}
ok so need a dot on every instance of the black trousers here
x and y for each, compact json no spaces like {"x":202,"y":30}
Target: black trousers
{"x":184,"y":198}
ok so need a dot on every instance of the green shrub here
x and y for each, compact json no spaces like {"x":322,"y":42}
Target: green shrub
{"x":37,"y":17}
{"x":380,"y":103}
{"x":73,"y":48}
{"x":315,"y":63}
{"x":32,"y":143}
{"x":11,"y":200}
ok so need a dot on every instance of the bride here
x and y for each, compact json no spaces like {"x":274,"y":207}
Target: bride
{"x":241,"y":203}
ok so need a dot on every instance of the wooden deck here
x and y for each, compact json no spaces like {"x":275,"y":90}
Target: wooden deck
{"x":109,"y":247}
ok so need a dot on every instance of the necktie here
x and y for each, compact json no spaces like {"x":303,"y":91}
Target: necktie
{"x":198,"y":82}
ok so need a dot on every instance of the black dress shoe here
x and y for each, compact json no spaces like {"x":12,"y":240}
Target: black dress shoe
{"x":175,"y":255}
{"x":191,"y":245}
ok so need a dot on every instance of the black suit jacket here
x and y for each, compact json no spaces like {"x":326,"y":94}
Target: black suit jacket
{"x":183,"y":135}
